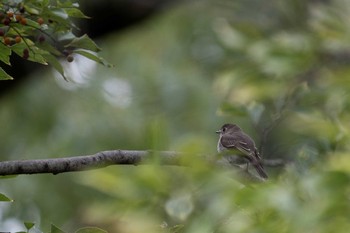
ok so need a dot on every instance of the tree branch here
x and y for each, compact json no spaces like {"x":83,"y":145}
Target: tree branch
{"x":81,"y":163}
{"x":113,"y":157}
{"x":275,"y":162}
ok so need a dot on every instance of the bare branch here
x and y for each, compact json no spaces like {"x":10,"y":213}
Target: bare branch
{"x":80,"y":163}
{"x":115,"y":157}
{"x":275,"y":162}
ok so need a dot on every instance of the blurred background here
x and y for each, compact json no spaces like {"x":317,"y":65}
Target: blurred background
{"x":279,"y":69}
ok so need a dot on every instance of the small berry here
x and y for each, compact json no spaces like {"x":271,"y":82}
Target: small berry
{"x":18,"y":39}
{"x":40,"y":21}
{"x":18,"y":18}
{"x":10,"y":14}
{"x":25,"y":53}
{"x":66,"y":52}
{"x":41,"y":38}
{"x":22,"y":9}
{"x":25,"y":56}
{"x":6,"y":21}
{"x":70,"y":58}
{"x":23,"y":21}
{"x":7,"y":41}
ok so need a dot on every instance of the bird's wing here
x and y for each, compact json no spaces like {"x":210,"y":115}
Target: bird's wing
{"x":234,"y":142}
{"x":257,"y":154}
{"x":247,"y":147}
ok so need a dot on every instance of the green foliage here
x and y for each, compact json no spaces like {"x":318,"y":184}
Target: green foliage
{"x":42,"y":32}
{"x":90,"y":230}
{"x":201,"y":199}
{"x":30,"y":226}
{"x":4,"y":198}
{"x":55,"y":229}
{"x":286,"y":73}
{"x":277,"y":68}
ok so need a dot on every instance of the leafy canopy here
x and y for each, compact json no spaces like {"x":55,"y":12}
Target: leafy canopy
{"x":42,"y":32}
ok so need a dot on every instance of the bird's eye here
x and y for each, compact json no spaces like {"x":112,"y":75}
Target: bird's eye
{"x":224,"y":129}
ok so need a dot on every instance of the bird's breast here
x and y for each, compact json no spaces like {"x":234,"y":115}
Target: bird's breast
{"x":220,"y":147}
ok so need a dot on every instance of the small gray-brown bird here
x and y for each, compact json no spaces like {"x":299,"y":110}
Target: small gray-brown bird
{"x":233,"y":138}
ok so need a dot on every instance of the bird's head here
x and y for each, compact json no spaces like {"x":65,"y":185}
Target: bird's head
{"x":228,"y":128}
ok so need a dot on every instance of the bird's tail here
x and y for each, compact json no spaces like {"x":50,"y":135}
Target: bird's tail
{"x":258,"y":167}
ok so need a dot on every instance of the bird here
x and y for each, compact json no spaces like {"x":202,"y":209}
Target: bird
{"x":232,"y":138}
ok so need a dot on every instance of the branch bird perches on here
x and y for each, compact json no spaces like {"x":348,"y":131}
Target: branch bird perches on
{"x":108,"y":158}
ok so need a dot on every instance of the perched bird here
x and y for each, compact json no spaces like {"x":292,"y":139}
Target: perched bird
{"x":233,"y":138}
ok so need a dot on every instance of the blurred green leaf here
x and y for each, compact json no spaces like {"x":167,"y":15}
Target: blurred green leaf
{"x":5,"y":198}
{"x":4,"y":75}
{"x":55,"y":229}
{"x":29,"y":225}
{"x":90,"y":230}
{"x":5,"y":53}
{"x":49,"y":48}
{"x":32,"y":10}
{"x":60,"y":14}
{"x":93,"y":57}
{"x":74,"y":12}
{"x":35,"y":54}
{"x":176,"y":228}
{"x":289,"y":59}
{"x":84,"y":42}
{"x":52,"y":60}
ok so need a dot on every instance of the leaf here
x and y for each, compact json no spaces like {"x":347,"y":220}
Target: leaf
{"x":67,"y":36}
{"x":90,"y":230}
{"x":49,"y":48}
{"x":59,"y":17}
{"x":84,"y":42}
{"x":32,"y":10}
{"x":4,"y":75}
{"x":5,"y":198}
{"x":5,"y":53}
{"x":45,"y":3}
{"x":35,"y":53}
{"x":29,"y":225}
{"x":93,"y":57}
{"x":52,"y":60}
{"x":32,"y":24}
{"x":176,"y":228}
{"x":55,"y":229}
{"x":60,"y":13}
{"x":76,"y":13}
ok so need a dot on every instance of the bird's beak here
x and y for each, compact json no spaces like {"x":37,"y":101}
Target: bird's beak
{"x":218,"y":132}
